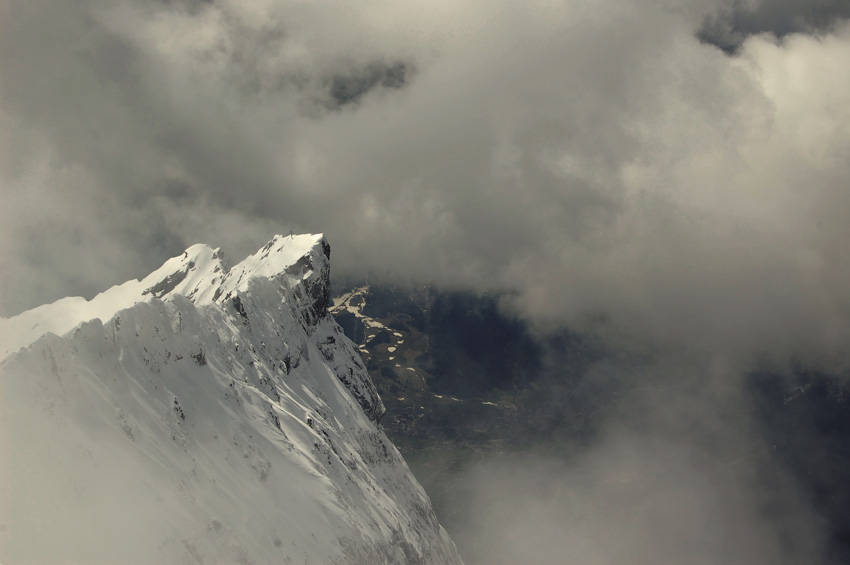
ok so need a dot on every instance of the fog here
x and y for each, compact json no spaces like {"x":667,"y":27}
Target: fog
{"x":678,"y":473}
{"x":633,"y":499}
{"x":668,"y":175}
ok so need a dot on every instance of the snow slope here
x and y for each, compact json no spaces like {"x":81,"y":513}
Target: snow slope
{"x":202,"y":415}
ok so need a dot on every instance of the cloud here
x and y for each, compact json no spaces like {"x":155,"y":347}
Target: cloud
{"x":676,"y":475}
{"x":633,"y":499}
{"x":736,"y":20}
{"x":596,"y":160}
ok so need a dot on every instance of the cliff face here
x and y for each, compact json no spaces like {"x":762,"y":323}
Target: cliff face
{"x":202,"y":415}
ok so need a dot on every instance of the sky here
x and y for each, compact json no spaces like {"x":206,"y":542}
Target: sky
{"x":673,"y":175}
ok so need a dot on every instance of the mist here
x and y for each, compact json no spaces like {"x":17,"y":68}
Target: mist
{"x":677,"y":472}
{"x":668,"y":176}
{"x":638,"y":500}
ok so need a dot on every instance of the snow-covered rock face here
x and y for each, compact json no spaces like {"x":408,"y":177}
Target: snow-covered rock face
{"x":202,"y":415}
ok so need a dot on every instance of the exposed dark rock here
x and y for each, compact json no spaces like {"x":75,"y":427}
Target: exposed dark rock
{"x":240,"y":308}
{"x":351,"y":325}
{"x":168,"y":284}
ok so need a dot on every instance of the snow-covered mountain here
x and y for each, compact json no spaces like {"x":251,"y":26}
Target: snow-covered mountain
{"x":202,"y":415}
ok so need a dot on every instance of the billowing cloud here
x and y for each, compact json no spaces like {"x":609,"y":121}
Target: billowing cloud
{"x":596,"y":160}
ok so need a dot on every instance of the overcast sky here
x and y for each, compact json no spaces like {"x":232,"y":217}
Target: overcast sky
{"x":604,"y":161}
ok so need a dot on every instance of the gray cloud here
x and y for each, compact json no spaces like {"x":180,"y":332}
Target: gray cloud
{"x":730,"y":26}
{"x":351,"y":87}
{"x":597,"y":161}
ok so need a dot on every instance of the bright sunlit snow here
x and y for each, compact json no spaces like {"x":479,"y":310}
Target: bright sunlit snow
{"x":202,"y":415}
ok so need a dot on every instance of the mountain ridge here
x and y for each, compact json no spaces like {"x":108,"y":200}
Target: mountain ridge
{"x":223,"y":415}
{"x":199,"y":273}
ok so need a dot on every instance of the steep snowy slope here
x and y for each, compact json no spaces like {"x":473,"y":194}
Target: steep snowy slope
{"x":202,"y":415}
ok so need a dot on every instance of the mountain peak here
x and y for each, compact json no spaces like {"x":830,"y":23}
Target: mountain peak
{"x":199,"y":273}
{"x":218,"y":415}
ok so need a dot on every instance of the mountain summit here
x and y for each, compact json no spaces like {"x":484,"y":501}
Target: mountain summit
{"x":202,"y":415}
